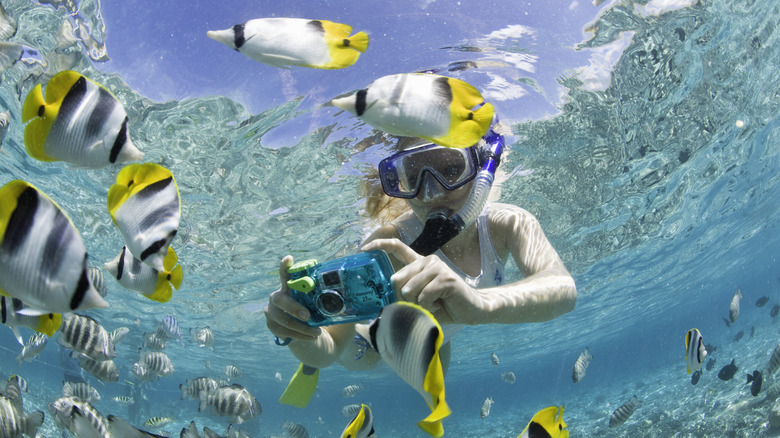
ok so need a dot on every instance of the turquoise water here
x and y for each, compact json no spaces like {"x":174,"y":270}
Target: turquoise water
{"x":647,"y":148}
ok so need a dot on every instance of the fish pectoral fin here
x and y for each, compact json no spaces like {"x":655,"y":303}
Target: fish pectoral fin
{"x":280,"y":61}
{"x":31,"y":311}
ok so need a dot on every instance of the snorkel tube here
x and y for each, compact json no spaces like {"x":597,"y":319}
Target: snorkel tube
{"x":440,"y":229}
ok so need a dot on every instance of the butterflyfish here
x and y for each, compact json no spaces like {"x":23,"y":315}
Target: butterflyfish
{"x":695,"y":352}
{"x":78,"y":121}
{"x":43,"y":261}
{"x":137,"y":276}
{"x":362,"y":426}
{"x":145,"y":205}
{"x":547,"y":423}
{"x":442,"y":110}
{"x":408,"y":339}
{"x":283,"y":42}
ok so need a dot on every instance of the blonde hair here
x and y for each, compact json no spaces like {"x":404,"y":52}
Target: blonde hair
{"x":379,"y":207}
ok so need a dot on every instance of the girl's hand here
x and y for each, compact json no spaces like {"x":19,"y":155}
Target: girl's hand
{"x":429,"y":282}
{"x":284,"y":316}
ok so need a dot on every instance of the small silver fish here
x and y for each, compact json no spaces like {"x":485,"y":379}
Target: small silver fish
{"x":104,"y":370}
{"x":494,"y":359}
{"x":350,"y":411}
{"x":157,"y":363}
{"x":622,"y":413}
{"x":153,"y":341}
{"x":34,"y":346}
{"x":580,"y":365}
{"x":295,"y":430}
{"x":81,"y":390}
{"x":278,"y":376}
{"x":124,"y":399}
{"x":118,"y":334}
{"x":485,"y":410}
{"x":85,"y":335}
{"x":192,"y":389}
{"x":508,"y":377}
{"x":202,"y":336}
{"x":98,"y":280}
{"x":231,"y":401}
{"x":351,"y":390}
{"x":158,"y":422}
{"x":232,"y":372}
{"x":734,"y":306}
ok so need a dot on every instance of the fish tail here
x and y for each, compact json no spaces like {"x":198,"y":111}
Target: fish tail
{"x":49,"y":323}
{"x":177,"y":275}
{"x":432,"y":423}
{"x":358,"y":41}
{"x":163,"y":291}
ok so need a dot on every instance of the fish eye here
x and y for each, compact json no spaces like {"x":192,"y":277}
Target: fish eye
{"x":41,"y":110}
{"x":130,"y":183}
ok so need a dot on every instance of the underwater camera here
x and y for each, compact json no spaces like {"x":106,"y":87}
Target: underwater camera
{"x":349,"y":289}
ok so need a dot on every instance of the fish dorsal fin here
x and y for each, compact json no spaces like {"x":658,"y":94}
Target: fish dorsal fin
{"x":60,"y":85}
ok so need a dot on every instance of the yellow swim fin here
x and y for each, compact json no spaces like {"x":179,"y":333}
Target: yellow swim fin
{"x":301,"y":387}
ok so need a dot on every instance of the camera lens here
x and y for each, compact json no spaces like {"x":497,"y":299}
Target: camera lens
{"x":330,"y":303}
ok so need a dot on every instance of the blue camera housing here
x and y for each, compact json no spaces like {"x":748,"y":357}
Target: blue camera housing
{"x":349,"y":289}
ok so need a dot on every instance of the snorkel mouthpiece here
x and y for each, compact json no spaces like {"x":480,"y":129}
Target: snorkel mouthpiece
{"x":440,"y":229}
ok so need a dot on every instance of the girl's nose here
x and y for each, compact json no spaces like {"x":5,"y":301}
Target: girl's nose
{"x":431,"y":188}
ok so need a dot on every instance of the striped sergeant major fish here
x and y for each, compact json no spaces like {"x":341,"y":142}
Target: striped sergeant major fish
{"x":104,"y":370}
{"x":137,"y":276}
{"x":232,"y":401}
{"x":84,"y":335}
{"x":580,"y":365}
{"x":191,"y":389}
{"x":43,"y":261}
{"x":144,"y":204}
{"x":202,"y":336}
{"x":13,"y":421}
{"x":79,"y":122}
{"x":12,"y":315}
{"x":622,"y":413}
{"x":81,"y":390}
{"x":408,"y":338}
{"x":33,"y":347}
{"x":156,"y":362}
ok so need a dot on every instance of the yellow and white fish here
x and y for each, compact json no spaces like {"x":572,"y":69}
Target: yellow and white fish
{"x":79,"y":121}
{"x":445,"y":111}
{"x":695,"y":351}
{"x":43,"y":261}
{"x":408,"y":338}
{"x":547,"y":423}
{"x":282,"y":42}
{"x":362,"y":426}
{"x":10,"y":315}
{"x":146,"y":207}
{"x":135,"y":275}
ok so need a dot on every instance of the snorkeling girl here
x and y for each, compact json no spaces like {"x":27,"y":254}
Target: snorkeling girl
{"x":448,"y":246}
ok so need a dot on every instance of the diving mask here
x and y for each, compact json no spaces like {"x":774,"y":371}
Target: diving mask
{"x":403,"y":174}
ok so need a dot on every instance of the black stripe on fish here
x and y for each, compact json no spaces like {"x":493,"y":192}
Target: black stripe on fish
{"x":442,"y":89}
{"x":58,"y":239}
{"x":238,"y":36}
{"x":3,"y":315}
{"x":156,"y":246}
{"x":537,"y":430}
{"x":156,"y":216}
{"x":103,"y":107}
{"x":121,"y":265}
{"x":81,"y":288}
{"x":154,"y":188}
{"x":360,"y":102}
{"x":21,"y":221}
{"x":72,"y":100}
{"x":119,"y":141}
{"x":316,"y":25}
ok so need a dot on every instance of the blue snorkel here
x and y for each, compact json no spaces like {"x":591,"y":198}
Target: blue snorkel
{"x":440,"y":229}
